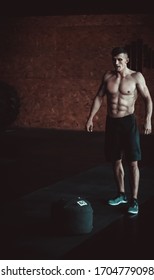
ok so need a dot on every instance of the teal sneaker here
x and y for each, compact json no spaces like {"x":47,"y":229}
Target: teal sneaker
{"x":121,"y":199}
{"x":134,"y":207}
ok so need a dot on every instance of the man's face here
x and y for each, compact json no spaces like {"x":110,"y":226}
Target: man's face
{"x":120,"y":61}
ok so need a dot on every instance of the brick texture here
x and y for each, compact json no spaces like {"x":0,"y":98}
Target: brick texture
{"x":56,"y":64}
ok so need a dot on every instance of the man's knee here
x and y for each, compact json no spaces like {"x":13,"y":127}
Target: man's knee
{"x":133,"y":165}
{"x":117,"y":163}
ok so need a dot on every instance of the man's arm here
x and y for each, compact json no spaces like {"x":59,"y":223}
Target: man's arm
{"x":95,"y":107}
{"x":97,"y":102}
{"x":144,"y":91}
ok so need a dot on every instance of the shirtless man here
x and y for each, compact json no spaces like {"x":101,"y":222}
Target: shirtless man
{"x":121,"y":87}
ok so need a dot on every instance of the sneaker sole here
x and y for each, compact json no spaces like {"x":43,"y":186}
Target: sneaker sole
{"x":133,"y":213}
{"x":120,"y":202}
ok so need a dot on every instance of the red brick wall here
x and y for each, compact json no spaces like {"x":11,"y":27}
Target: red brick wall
{"x":56,"y":64}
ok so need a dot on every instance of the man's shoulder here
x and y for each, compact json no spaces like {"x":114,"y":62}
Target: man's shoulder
{"x":137,"y":75}
{"x":108,"y":74}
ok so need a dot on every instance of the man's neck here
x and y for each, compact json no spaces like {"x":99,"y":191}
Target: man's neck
{"x":123,"y":73}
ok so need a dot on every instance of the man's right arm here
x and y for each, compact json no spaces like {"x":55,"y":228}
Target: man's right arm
{"x":97,"y":102}
{"x":95,"y":107}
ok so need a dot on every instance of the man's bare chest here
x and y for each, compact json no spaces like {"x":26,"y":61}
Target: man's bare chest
{"x":121,"y":86}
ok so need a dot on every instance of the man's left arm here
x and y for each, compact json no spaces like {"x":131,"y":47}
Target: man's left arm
{"x":144,"y":91}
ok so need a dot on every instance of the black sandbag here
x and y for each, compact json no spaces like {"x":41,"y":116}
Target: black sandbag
{"x":73,"y":215}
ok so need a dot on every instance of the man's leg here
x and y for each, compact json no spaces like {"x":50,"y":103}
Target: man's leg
{"x":134,"y":182}
{"x":134,"y":178}
{"x":119,"y":175}
{"x":119,"y":178}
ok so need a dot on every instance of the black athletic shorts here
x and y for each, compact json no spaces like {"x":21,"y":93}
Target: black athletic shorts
{"x":122,"y":138}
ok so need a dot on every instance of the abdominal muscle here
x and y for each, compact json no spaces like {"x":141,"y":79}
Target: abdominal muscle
{"x":120,"y":105}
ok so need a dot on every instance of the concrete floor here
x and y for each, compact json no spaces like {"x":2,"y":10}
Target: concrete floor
{"x":41,"y":166}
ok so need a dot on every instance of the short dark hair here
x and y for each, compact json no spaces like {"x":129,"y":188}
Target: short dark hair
{"x":118,"y":50}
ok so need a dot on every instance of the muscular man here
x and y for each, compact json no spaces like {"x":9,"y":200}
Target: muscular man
{"x":121,"y":88}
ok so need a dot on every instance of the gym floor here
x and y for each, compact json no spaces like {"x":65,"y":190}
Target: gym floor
{"x":39,"y":166}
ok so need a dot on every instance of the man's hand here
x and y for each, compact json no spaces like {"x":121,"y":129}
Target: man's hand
{"x":89,"y":125}
{"x":147,"y":128}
